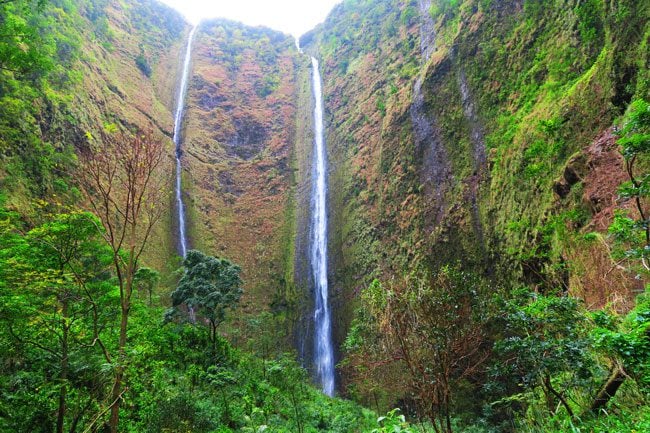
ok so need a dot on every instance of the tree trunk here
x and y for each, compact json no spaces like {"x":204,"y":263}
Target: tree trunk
{"x":609,"y":389}
{"x":294,"y":402}
{"x":116,"y":393}
{"x":213,"y":337}
{"x":558,"y":395}
{"x":60,"y":418}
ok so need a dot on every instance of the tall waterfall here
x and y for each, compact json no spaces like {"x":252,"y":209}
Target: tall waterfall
{"x":178,"y":126}
{"x":323,"y":350}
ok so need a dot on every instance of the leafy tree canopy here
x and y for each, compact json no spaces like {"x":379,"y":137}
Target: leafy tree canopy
{"x":209,"y":287}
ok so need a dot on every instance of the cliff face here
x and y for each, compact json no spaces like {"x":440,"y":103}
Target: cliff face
{"x":131,"y":68}
{"x":478,"y":132}
{"x":358,"y":78}
{"x":119,"y":63}
{"x":238,"y":154}
{"x":111,"y":62}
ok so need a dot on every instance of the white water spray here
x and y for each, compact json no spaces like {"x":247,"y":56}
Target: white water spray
{"x":323,"y":350}
{"x":178,"y":123}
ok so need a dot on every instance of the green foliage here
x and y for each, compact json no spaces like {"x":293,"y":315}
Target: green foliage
{"x":635,"y":133}
{"x":552,"y":354}
{"x":627,"y":339}
{"x":39,"y":46}
{"x":393,"y":422}
{"x":228,"y":391}
{"x":143,"y":64}
{"x":55,"y":293}
{"x":545,"y":346}
{"x":542,"y":155}
{"x":208,"y":288}
{"x":146,"y":279}
{"x":381,"y":106}
{"x":590,"y":21}
{"x":269,"y":84}
{"x":58,"y":305}
{"x":156,"y":22}
{"x":24,"y":48}
{"x":408,"y":15}
{"x":444,"y":8}
{"x":434,"y":327}
{"x":633,"y":232}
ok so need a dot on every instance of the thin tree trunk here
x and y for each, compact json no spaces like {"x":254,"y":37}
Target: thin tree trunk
{"x":213,"y":337}
{"x":60,"y":419}
{"x":549,"y":386}
{"x":609,"y":389}
{"x":295,"y":409}
{"x":374,"y":394}
{"x":226,"y":407}
{"x":78,"y":416}
{"x":116,"y":396}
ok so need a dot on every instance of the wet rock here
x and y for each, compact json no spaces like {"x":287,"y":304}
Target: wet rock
{"x":249,"y":139}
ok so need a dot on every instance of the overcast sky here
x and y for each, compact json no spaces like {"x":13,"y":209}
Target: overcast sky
{"x":290,"y":16}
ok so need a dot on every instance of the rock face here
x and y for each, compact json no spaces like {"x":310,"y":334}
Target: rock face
{"x":238,"y":150}
{"x":115,"y":62}
{"x":117,"y":89}
{"x":463,"y":131}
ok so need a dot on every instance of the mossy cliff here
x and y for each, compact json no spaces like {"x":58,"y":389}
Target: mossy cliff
{"x":238,"y":155}
{"x":479,"y":132}
{"x":110,"y":62}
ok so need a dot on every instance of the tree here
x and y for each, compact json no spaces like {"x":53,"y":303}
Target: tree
{"x":147,"y":279}
{"x":285,"y":374}
{"x":122,"y":179}
{"x":627,"y":341}
{"x":23,"y":47}
{"x":209,"y":287}
{"x":55,"y":277}
{"x":635,"y":146}
{"x":544,"y":346}
{"x":437,"y":327}
{"x":632,"y":232}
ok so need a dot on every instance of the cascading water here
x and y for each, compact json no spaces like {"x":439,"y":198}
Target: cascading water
{"x":178,"y":122}
{"x":323,"y":349}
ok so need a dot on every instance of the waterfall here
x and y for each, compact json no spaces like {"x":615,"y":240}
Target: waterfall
{"x":178,"y":123}
{"x":323,"y":350}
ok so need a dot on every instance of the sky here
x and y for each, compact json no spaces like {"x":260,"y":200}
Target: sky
{"x":290,"y":16}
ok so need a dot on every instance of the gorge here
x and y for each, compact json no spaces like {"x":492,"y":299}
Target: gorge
{"x":432,"y":205}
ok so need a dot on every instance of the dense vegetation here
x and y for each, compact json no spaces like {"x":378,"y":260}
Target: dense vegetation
{"x":60,"y":323}
{"x":490,"y":216}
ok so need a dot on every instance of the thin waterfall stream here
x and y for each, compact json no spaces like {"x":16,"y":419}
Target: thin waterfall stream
{"x":323,"y":347}
{"x":178,"y":126}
